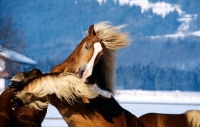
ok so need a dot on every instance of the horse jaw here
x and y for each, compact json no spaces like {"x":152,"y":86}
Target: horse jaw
{"x":89,"y":68}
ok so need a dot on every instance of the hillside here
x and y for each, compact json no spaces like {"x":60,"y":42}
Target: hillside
{"x":164,"y":33}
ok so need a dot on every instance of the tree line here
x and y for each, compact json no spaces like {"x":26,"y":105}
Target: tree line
{"x":150,"y":77}
{"x":146,"y":77}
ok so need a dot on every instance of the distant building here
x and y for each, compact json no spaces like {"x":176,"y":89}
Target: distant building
{"x":14,"y":56}
{"x":3,"y":73}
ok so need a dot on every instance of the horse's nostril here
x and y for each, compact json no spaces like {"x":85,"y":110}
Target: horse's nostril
{"x":81,"y":74}
{"x":17,"y":102}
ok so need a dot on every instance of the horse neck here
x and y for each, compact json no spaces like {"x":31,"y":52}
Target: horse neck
{"x":99,"y":110}
{"x":62,"y":106}
{"x":71,"y":113}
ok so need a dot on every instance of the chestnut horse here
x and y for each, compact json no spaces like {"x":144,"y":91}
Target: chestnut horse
{"x":19,"y":116}
{"x":191,"y":118}
{"x":94,"y":62}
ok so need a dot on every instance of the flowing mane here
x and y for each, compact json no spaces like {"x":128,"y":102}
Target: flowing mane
{"x":111,"y":36}
{"x":193,"y":117}
{"x":65,"y":86}
{"x":113,"y":39}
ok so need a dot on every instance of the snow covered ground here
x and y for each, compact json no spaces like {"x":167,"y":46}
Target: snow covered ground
{"x":140,"y":102}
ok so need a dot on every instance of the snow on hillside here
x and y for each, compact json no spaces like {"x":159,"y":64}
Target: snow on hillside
{"x":161,"y":8}
{"x":178,"y":35}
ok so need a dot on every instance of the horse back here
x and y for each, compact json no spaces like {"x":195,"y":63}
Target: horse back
{"x":164,"y":120}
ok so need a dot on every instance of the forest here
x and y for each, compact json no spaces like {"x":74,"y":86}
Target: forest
{"x":151,"y":77}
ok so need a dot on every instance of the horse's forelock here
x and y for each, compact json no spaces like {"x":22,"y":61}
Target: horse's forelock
{"x":112,"y":36}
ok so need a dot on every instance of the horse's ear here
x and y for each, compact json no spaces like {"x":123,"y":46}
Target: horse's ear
{"x":91,"y":31}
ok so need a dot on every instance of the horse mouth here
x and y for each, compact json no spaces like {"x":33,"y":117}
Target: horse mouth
{"x":80,"y":74}
{"x":83,"y":73}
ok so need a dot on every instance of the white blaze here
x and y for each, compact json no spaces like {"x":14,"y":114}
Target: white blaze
{"x":89,"y":67}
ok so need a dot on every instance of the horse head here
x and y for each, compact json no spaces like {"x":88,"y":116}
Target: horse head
{"x":84,"y":57}
{"x":105,"y":40}
{"x":18,"y":80}
{"x":90,"y":49}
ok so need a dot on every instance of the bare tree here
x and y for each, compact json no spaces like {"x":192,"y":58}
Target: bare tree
{"x":11,"y":38}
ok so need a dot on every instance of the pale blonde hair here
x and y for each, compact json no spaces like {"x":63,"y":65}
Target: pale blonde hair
{"x":114,"y":40}
{"x":66,"y":86}
{"x":193,"y":117}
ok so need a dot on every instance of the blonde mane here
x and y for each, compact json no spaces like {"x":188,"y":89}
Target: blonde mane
{"x":65,"y":86}
{"x":193,"y":117}
{"x":113,"y":39}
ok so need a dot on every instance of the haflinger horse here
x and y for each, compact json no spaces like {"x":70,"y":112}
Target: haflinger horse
{"x":94,"y":62}
{"x":190,"y":118}
{"x":68,"y":83}
{"x":19,"y":116}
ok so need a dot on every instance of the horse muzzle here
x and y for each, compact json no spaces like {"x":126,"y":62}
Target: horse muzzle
{"x":81,"y":71}
{"x":15,"y":84}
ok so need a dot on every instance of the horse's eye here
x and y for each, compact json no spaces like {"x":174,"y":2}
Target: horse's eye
{"x":87,"y":46}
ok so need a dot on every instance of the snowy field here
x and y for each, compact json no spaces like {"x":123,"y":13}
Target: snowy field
{"x":140,"y":102}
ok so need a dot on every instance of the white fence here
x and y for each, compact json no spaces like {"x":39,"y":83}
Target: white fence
{"x":140,"y":102}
